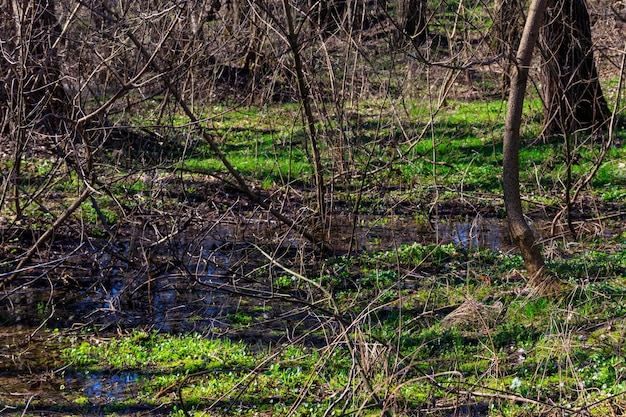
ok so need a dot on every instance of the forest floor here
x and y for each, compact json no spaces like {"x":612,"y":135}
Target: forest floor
{"x":169,"y":292}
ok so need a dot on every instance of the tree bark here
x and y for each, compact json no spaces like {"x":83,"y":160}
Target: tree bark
{"x":506,"y":33}
{"x":521,"y":232}
{"x":36,"y":33}
{"x":412,"y":21}
{"x":571,"y":90}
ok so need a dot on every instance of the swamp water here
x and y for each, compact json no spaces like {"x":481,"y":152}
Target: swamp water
{"x":171,"y":302}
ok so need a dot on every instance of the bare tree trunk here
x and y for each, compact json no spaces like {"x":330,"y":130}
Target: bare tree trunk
{"x":571,"y":90}
{"x":32,"y":97}
{"x":305,"y":99}
{"x":412,"y":20}
{"x":506,"y":33}
{"x":521,"y":232}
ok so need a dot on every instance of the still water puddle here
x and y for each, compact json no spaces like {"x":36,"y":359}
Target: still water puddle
{"x":388,"y":233}
{"x":103,"y":387}
{"x":476,"y":234}
{"x":171,"y":301}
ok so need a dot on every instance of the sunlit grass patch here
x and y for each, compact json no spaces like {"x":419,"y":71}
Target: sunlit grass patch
{"x":211,"y":372}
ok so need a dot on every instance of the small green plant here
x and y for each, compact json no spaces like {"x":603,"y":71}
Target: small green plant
{"x":379,"y":279}
{"x":418,"y":254}
{"x":241,"y":318}
{"x":535,"y":308}
{"x":42,"y":309}
{"x":284,"y":281}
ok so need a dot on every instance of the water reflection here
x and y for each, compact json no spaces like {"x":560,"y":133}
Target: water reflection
{"x":172,"y":301}
{"x":475,"y":234}
{"x":371,"y":233}
{"x":109,"y":387}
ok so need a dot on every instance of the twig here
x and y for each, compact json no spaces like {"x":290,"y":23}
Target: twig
{"x":618,"y":14}
{"x":30,"y":399}
{"x":48,"y":233}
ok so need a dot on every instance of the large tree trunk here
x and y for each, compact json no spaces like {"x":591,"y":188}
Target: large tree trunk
{"x":506,"y":32}
{"x":571,"y":90}
{"x":521,"y":232}
{"x":412,"y":20}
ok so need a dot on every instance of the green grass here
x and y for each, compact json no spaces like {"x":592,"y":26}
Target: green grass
{"x":269,"y":146}
{"x":412,"y":331}
{"x":381,"y":155}
{"x":212,"y":371}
